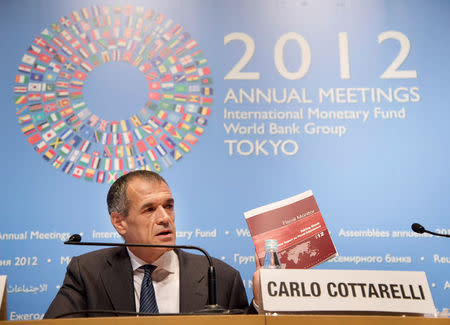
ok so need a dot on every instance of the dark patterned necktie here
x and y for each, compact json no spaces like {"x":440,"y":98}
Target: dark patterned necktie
{"x":148,"y":299}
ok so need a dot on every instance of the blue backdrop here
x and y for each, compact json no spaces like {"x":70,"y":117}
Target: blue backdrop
{"x":237,"y":104}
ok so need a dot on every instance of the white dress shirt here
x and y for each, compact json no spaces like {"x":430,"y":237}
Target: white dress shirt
{"x":166,"y":281}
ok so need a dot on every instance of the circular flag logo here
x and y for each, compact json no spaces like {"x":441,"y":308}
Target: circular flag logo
{"x":68,"y":133}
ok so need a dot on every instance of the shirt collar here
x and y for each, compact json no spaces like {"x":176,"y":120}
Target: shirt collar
{"x":167,"y":261}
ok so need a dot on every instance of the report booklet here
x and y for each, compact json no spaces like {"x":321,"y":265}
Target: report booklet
{"x":298,"y":226}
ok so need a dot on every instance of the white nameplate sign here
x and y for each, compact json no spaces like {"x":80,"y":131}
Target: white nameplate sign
{"x":345,"y":290}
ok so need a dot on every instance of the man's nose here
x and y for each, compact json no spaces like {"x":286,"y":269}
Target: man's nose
{"x":161,"y":215}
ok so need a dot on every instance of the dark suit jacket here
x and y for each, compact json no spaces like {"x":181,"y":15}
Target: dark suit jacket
{"x":103,"y":280}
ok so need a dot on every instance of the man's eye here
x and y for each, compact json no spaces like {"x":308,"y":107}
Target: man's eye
{"x":169,"y":206}
{"x":150,"y":209}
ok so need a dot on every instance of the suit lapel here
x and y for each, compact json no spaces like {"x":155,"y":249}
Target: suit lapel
{"x":193,"y":283}
{"x":117,"y":279}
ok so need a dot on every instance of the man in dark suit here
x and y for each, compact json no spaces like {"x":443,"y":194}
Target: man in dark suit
{"x":141,"y":209}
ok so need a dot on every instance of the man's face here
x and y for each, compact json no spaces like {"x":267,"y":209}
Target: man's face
{"x":151,"y":215}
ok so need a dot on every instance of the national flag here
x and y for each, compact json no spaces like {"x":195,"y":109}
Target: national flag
{"x":85,"y":159}
{"x":56,"y":143}
{"x":75,"y":59}
{"x":33,"y":50}
{"x":197,"y":130}
{"x":207,"y":91}
{"x":131,"y":163}
{"x":66,"y":134}
{"x":183,"y":126}
{"x":141,"y":146}
{"x":176,"y":69}
{"x":35,"y":107}
{"x":144,"y":68}
{"x":192,"y":78}
{"x":28,"y":59}
{"x":74,"y":155}
{"x":75,"y":141}
{"x":95,"y":162}
{"x":193,"y":98}
{"x":118,"y":164}
{"x":151,"y":141}
{"x":79,"y":75}
{"x":75,"y":95}
{"x":24,"y":119}
{"x":207,"y":100}
{"x":107,"y":164}
{"x":43,"y":126}
{"x":34,"y":97}
{"x":49,"y":155}
{"x":65,"y":150}
{"x":44,"y":58}
{"x":36,"y":77}
{"x":40,"y":67}
{"x":79,"y":106}
{"x":57,"y":41}
{"x":86,"y":66}
{"x":186,"y":60}
{"x":95,"y":34}
{"x":58,"y":127}
{"x":50,"y":134}
{"x":78,"y":171}
{"x":62,"y":93}
{"x":84,"y":53}
{"x":58,"y":162}
{"x":35,"y":138}
{"x":63,"y":102}
{"x":40,"y":147}
{"x":65,"y":75}
{"x":204,"y":110}
{"x":20,"y":89}
{"x":154,"y":85}
{"x":112,"y":177}
{"x":67,"y":167}
{"x":93,"y":120}
{"x":135,"y":120}
{"x":201,"y":120}
{"x":39,"y":117}
{"x":193,"y":88}
{"x":21,"y":79}
{"x":184,"y":147}
{"x":62,"y":84}
{"x":201,"y":62}
{"x":55,"y":67}
{"x":85,"y":145}
{"x":191,"y":44}
{"x":128,"y":137}
{"x":100,"y":176}
{"x":89,"y":175}
{"x":93,"y":48}
{"x":66,"y":35}
{"x":75,"y":43}
{"x":190,"y":138}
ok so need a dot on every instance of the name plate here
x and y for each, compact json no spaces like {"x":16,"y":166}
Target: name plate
{"x":2,"y":297}
{"x":290,"y":290}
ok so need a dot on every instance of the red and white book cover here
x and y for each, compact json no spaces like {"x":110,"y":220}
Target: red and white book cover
{"x":298,"y":226}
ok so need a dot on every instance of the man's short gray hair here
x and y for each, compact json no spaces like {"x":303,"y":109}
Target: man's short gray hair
{"x":117,"y":198}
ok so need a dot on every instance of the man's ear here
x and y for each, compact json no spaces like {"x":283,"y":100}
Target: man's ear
{"x":119,"y":222}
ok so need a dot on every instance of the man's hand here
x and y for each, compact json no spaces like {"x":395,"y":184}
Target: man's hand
{"x":257,"y":285}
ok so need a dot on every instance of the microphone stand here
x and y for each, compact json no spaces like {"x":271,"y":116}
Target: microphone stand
{"x":211,"y":307}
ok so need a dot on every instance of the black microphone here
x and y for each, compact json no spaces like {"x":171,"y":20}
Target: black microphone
{"x":211,"y":307}
{"x":418,"y":228}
